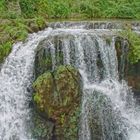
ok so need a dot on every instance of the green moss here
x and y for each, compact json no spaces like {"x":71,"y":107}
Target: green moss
{"x":40,"y":21}
{"x":72,"y":126}
{"x":42,"y":129}
{"x":37,"y":98}
{"x":46,"y":80}
{"x":108,"y":40}
{"x":4,"y":50}
{"x":134,"y":44}
{"x":12,"y":31}
{"x":59,"y":92}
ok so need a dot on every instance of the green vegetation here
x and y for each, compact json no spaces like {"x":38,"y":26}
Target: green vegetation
{"x":134,"y":44}
{"x":4,"y":50}
{"x":71,"y":8}
{"x":42,"y":129}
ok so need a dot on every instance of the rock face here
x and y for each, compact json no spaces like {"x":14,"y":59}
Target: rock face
{"x":57,"y":97}
{"x":42,"y":129}
{"x":133,"y":77}
{"x":129,"y":72}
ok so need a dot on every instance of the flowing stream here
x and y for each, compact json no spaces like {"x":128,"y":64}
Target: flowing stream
{"x":108,"y":109}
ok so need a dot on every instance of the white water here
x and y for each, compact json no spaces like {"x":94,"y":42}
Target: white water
{"x":15,"y":77}
{"x":90,"y":52}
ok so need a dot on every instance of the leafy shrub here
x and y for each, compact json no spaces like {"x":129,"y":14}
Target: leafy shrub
{"x":28,"y":7}
{"x":58,"y":9}
{"x":134,"y":44}
{"x":4,"y":50}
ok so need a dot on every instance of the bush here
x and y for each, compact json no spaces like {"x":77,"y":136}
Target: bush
{"x":134,"y":44}
{"x":4,"y":50}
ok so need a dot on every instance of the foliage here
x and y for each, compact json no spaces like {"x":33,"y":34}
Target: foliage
{"x":134,"y":44}
{"x":37,"y":98}
{"x":58,"y":9}
{"x":15,"y":30}
{"x":69,"y":8}
{"x":28,"y":7}
{"x":41,"y":128}
{"x":72,"y":126}
{"x":4,"y":50}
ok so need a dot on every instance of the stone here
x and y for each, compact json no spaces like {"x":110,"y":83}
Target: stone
{"x":57,"y":97}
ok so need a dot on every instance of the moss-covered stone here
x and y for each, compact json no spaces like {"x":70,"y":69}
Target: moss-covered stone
{"x":44,"y":89}
{"x":57,"y":97}
{"x":42,"y":129}
{"x":5,"y":49}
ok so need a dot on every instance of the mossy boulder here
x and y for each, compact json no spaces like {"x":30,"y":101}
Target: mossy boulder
{"x":57,"y":98}
{"x":42,"y":129}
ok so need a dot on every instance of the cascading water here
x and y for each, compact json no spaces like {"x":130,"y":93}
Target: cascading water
{"x":108,"y":110}
{"x":15,"y":79}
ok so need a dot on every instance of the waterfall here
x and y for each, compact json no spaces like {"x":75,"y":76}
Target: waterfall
{"x":108,"y":110}
{"x":15,"y":80}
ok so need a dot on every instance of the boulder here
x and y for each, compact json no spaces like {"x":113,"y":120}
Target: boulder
{"x":57,"y":97}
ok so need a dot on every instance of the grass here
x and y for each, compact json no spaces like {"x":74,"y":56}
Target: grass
{"x":71,"y":8}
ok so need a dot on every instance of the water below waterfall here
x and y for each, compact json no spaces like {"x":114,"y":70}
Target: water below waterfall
{"x":108,"y":109}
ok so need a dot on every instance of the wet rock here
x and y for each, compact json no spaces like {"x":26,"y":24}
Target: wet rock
{"x":133,"y":77}
{"x":104,"y":122}
{"x":129,"y":72}
{"x":42,"y":129}
{"x":45,"y":55}
{"x":122,"y":48}
{"x":43,"y":61}
{"x":57,"y":98}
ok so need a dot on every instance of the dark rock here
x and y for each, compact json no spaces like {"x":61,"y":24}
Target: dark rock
{"x":43,"y":59}
{"x":122,"y":48}
{"x":133,"y":77}
{"x":42,"y":129}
